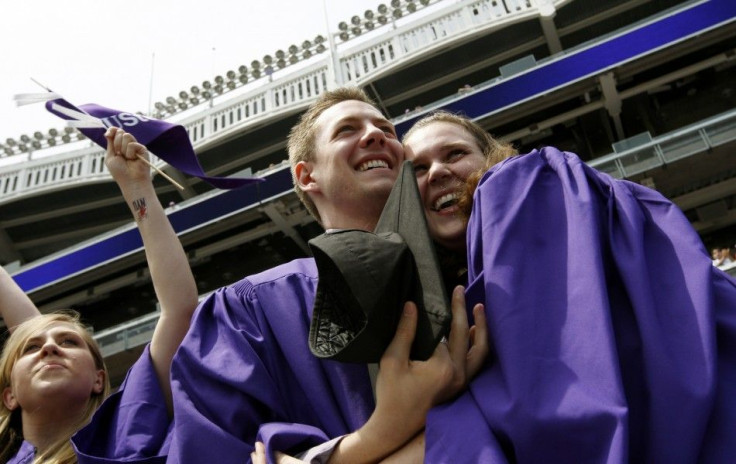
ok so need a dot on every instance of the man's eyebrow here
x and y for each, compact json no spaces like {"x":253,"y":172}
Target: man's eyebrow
{"x":344,"y":119}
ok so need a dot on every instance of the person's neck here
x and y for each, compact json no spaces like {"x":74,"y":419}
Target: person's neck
{"x":365,"y":222}
{"x":46,"y":426}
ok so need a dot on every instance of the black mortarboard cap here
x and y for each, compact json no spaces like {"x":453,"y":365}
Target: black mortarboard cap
{"x":365,"y":278}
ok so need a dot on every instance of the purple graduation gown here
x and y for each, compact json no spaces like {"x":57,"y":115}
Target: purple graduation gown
{"x":25,"y":455}
{"x":613,"y":337}
{"x":132,"y":425}
{"x":245,"y":370}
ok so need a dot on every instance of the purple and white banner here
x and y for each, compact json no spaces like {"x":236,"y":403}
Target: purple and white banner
{"x":168,"y":141}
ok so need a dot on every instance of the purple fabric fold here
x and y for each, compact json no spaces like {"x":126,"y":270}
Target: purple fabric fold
{"x":246,"y":362}
{"x":289,"y":438}
{"x":132,"y":425}
{"x":168,"y":141}
{"x":613,"y":336}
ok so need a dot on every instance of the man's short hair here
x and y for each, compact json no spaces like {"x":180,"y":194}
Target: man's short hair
{"x":300,"y":143}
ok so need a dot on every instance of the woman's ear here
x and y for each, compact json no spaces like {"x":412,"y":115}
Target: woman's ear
{"x":303,"y":173}
{"x":99,"y":384}
{"x":9,"y":399}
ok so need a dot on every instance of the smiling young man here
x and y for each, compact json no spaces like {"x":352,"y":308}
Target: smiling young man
{"x":245,"y":373}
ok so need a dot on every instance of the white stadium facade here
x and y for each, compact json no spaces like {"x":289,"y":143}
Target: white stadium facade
{"x":641,"y":89}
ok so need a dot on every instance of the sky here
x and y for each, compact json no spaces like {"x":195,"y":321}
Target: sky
{"x":124,"y":55}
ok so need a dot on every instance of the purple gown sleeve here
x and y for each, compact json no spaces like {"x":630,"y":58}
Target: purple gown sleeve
{"x":246,"y":362}
{"x":25,"y":455}
{"x":132,"y":425}
{"x":613,"y":336}
{"x":284,"y":437}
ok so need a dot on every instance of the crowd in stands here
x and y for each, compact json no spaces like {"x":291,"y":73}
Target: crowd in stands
{"x":723,"y":257}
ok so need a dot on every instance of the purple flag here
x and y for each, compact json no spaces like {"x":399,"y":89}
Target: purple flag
{"x":168,"y":141}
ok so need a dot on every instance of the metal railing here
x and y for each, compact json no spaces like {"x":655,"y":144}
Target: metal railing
{"x":684,"y":142}
{"x":290,"y":92}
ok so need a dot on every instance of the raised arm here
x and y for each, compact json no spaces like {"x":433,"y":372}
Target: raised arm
{"x":170,"y":272}
{"x":15,"y":306}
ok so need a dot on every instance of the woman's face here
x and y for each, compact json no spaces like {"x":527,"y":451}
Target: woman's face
{"x":53,"y":362}
{"x":444,"y":155}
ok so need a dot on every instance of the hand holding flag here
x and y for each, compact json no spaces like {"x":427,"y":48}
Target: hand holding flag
{"x":125,"y":159}
{"x":168,"y":141}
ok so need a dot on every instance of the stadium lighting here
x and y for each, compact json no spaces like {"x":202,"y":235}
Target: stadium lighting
{"x":280,"y":59}
{"x":370,"y":21}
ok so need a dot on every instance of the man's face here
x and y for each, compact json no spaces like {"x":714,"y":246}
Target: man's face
{"x":357,"y":159}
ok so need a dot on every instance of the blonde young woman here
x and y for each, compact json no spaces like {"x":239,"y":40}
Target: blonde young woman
{"x":54,"y":378}
{"x":53,"y":375}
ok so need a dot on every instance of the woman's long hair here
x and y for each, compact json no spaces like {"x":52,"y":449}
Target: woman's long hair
{"x":11,"y":427}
